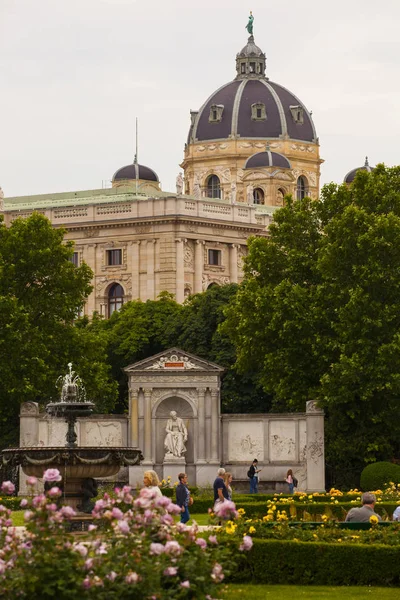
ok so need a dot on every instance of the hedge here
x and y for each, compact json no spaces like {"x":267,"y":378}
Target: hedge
{"x":11,"y":502}
{"x":318,"y":563}
{"x":377,"y":475}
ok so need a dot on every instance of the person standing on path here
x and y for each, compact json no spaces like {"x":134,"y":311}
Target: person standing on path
{"x":252,"y":474}
{"x":183,"y":497}
{"x":220,"y":491}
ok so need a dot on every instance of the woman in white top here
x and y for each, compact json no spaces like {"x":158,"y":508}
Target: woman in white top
{"x":151,"y":481}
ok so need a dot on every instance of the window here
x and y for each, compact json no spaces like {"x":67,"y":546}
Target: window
{"x":213,"y":188}
{"x":114,"y":257}
{"x":258,"y":112}
{"x":75,"y":259}
{"x":216,"y":111}
{"x":115,"y":298}
{"x":214,"y":257}
{"x":302,"y":187}
{"x":258,"y":196}
{"x":243,"y":68}
{"x":280,"y":195}
{"x":212,"y":285}
{"x":297,"y":114}
{"x":252,"y":67}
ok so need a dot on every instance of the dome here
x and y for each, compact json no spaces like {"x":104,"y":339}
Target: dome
{"x":267,"y":159}
{"x":252,"y":106}
{"x":351,"y":174}
{"x":136,"y":171}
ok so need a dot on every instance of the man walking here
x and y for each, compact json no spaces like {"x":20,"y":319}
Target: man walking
{"x":220,"y":491}
{"x":183,"y":498}
{"x":252,"y":474}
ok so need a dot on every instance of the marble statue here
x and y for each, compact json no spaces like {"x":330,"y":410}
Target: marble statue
{"x":233,"y":192}
{"x":197,"y":191}
{"x":176,"y":437}
{"x":249,"y":25}
{"x":250,"y":194}
{"x":179,"y":184}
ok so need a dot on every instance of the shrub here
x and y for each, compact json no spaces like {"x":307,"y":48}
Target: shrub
{"x":302,"y":563}
{"x":376,"y":475}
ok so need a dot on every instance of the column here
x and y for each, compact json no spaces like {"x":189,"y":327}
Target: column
{"x":91,"y":261}
{"x":315,"y":447}
{"x":201,"y":456}
{"x":198,"y":266}
{"x":150,"y":268}
{"x":134,"y":417}
{"x":214,"y":425}
{"x":233,"y":267}
{"x":147,"y":426}
{"x":180,"y":271}
{"x":135,"y":270}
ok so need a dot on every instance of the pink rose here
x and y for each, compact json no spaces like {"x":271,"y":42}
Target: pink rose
{"x":7,"y":487}
{"x":54,"y":492}
{"x":117,"y":513}
{"x":31,"y":481}
{"x":202,"y":543}
{"x":123,"y":527}
{"x":132,"y":577}
{"x":52,"y":475}
{"x":185,"y":584}
{"x":156,"y":548}
{"x":68,"y":512}
{"x":247,"y":544}
{"x":170,"y":571}
{"x":24,"y":503}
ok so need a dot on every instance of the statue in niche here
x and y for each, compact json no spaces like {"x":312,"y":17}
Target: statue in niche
{"x":174,"y":443}
{"x":179,"y":184}
{"x":250,"y":194}
{"x":233,"y":192}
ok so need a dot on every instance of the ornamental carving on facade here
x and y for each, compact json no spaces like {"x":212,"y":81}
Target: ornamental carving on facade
{"x":172,"y":362}
{"x":188,"y":256}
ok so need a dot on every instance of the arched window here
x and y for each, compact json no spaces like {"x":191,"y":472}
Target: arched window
{"x":212,"y":285}
{"x":213,"y":188}
{"x":302,"y":187}
{"x":115,"y":298}
{"x":258,"y":196}
{"x":280,"y":194}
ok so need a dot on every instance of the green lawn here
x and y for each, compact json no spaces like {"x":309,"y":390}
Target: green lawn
{"x":17,"y":517}
{"x":288,"y":592}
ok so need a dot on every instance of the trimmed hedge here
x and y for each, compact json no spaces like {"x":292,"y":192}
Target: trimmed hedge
{"x":11,"y":502}
{"x":302,"y":563}
{"x":376,"y":475}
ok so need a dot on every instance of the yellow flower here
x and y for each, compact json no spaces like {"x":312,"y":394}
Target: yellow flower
{"x":340,"y":539}
{"x":324,"y":518}
{"x":241,"y":512}
{"x":274,"y":507}
{"x":230,"y":528}
{"x":373,"y":519}
{"x":310,"y":497}
{"x":252,"y":529}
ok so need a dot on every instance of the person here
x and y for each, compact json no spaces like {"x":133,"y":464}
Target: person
{"x":249,"y":25}
{"x":364,"y":513}
{"x":252,"y":473}
{"x":176,"y":437}
{"x":183,"y":497}
{"x":396,"y":514}
{"x":151,"y":482}
{"x":228,"y":480}
{"x":290,"y":481}
{"x":220,"y":491}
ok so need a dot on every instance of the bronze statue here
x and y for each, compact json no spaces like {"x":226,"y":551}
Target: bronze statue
{"x":249,"y":25}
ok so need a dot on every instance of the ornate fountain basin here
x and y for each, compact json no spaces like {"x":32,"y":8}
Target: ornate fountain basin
{"x":72,"y":463}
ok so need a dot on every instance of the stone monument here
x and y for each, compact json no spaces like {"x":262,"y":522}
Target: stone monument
{"x":174,"y":445}
{"x":179,"y":184}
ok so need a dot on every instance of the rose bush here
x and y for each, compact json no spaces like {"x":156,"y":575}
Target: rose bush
{"x":133,"y":550}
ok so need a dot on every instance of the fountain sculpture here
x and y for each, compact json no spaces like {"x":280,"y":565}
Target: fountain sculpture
{"x":78,"y":465}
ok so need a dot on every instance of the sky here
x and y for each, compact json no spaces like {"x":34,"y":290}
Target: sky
{"x":74,"y":75}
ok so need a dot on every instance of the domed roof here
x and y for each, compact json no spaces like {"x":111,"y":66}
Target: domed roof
{"x":267,"y":159}
{"x":251,"y":106}
{"x":136,"y":171}
{"x":351,"y":174}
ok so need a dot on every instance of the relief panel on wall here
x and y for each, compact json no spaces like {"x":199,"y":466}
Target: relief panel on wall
{"x":282,"y":441}
{"x":103,"y":433}
{"x":302,"y":441}
{"x":246,"y":441}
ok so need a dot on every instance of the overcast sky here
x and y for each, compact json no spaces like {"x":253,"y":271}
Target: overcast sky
{"x":76,"y":73}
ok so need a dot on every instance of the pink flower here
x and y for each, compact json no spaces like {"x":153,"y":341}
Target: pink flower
{"x":247,"y":544}
{"x":174,"y":509}
{"x":81,"y":548}
{"x":31,"y":480}
{"x":89,"y":564}
{"x":92,"y":527}
{"x":202,"y":543}
{"x":213,"y":539}
{"x":217,"y":574}
{"x":156,"y":548}
{"x":132,"y":577}
{"x":117,"y":513}
{"x":68,"y":512}
{"x":173,"y":547}
{"x":86,"y":583}
{"x":185,"y":584}
{"x":101,"y":549}
{"x":24,"y":503}
{"x":7,"y":487}
{"x":163,"y":501}
{"x":123,"y":527}
{"x":39,"y":501}
{"x":170,"y":571}
{"x":52,"y":475}
{"x":111,"y":575}
{"x":28,"y":514}
{"x":167,"y":520}
{"x":51,"y":507}
{"x":54,"y":492}
{"x":226,"y":510}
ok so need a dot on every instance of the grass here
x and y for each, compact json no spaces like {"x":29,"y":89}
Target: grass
{"x":288,"y":592}
{"x":17,"y":517}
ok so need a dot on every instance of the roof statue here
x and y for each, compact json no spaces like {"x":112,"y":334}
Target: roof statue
{"x":249,"y":25}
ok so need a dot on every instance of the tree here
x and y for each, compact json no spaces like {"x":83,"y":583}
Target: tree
{"x":320,"y":306}
{"x":41,"y":292}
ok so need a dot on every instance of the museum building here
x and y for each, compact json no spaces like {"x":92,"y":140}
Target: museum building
{"x":251,"y":143}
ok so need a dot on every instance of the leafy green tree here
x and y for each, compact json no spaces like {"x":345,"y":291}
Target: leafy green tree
{"x":41,"y":292}
{"x":318,"y":315}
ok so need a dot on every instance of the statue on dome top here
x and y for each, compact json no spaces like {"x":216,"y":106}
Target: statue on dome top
{"x":249,"y":25}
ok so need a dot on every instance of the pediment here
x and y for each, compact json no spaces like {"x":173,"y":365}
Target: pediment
{"x":173,"y":360}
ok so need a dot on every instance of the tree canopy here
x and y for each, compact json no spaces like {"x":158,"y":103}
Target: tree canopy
{"x":318,"y":316}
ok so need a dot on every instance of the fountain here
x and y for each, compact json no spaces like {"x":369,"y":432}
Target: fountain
{"x":79,"y":466}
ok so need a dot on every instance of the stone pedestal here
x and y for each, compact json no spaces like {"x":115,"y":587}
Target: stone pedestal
{"x":315,"y":448}
{"x":172,"y":466}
